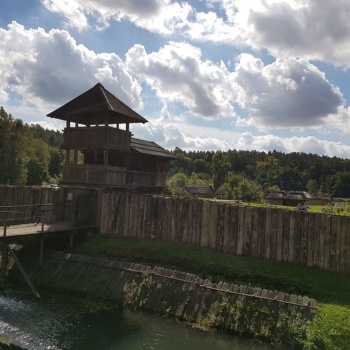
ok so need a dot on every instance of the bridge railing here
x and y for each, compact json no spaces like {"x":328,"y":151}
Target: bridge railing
{"x":26,"y":214}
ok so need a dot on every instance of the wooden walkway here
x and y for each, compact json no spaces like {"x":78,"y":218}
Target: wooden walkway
{"x":38,"y":229}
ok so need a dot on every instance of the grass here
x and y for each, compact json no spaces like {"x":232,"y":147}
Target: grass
{"x":324,"y":286}
{"x":329,"y":331}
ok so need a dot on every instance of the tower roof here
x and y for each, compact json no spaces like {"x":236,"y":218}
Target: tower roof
{"x":96,"y":106}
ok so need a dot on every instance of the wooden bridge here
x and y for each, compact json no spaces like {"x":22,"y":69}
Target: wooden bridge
{"x":41,"y":220}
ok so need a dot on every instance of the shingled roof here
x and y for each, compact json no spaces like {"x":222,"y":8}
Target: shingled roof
{"x":150,"y":148}
{"x":95,"y":105}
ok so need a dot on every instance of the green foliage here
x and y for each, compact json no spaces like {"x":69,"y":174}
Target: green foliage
{"x":291,"y":171}
{"x":248,"y":191}
{"x":220,"y":166}
{"x":177,"y":183}
{"x":28,"y":154}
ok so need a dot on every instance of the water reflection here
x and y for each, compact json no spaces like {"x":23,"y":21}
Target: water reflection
{"x":57,"y":322}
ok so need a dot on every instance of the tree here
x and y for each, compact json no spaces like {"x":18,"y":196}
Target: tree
{"x":232,"y":181}
{"x":312,"y":186}
{"x":177,"y":184}
{"x":220,"y":167}
{"x":248,"y":191}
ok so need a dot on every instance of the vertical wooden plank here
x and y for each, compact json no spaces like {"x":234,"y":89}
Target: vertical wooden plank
{"x":304,"y":227}
{"x":198,"y":233}
{"x":285,"y":237}
{"x":273,"y":236}
{"x":343,"y":255}
{"x":173,"y":224}
{"x":160,"y":218}
{"x":268,"y":224}
{"x":241,"y":230}
{"x":279,"y":235}
{"x":327,"y":242}
{"x":227,"y":227}
{"x":185,"y":217}
{"x":233,"y":230}
{"x":322,"y":240}
{"x":193,"y":218}
{"x":310,"y":239}
{"x":213,"y":223}
{"x":167,"y":218}
{"x":140,"y":215}
{"x":297,"y":236}
{"x":337,"y":256}
{"x":255,"y":233}
{"x":292,"y":218}
{"x":247,"y":250}
{"x":179,"y":222}
{"x":316,"y":254}
{"x":149,"y":212}
{"x":153,"y":216}
{"x":261,"y":232}
{"x":219,"y":244}
{"x":205,"y":224}
{"x":190,"y":221}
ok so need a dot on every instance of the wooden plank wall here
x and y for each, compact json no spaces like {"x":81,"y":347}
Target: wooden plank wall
{"x":296,"y":237}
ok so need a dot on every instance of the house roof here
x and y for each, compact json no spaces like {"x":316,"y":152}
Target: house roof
{"x":199,"y":189}
{"x":298,"y":195}
{"x":150,"y":148}
{"x":95,"y":106}
{"x":275,"y":195}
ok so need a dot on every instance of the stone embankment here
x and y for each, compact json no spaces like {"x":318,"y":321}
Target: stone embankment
{"x":257,"y":312}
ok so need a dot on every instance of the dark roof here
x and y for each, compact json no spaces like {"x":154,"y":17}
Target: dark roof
{"x":298,"y":195}
{"x":276,"y":195}
{"x":200,"y":189}
{"x":150,"y":148}
{"x":97,"y":104}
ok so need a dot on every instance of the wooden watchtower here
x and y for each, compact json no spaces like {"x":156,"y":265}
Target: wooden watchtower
{"x":101,"y":153}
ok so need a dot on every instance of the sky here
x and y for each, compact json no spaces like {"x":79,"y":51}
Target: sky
{"x":207,"y":74}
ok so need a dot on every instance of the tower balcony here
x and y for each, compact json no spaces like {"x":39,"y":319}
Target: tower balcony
{"x":96,"y":136}
{"x":111,"y":176}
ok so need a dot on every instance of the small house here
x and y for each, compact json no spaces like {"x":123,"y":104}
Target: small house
{"x":199,"y":191}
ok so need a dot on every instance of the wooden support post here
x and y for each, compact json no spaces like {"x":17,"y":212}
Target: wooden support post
{"x":4,"y":258}
{"x":26,"y":277}
{"x":41,"y":251}
{"x":71,"y":239}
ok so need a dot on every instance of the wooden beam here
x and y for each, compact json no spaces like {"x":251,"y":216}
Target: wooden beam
{"x":24,"y":274}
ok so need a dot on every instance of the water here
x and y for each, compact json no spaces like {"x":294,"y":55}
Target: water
{"x":56,"y":322}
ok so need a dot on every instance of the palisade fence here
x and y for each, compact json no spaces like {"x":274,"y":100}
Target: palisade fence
{"x":19,"y":203}
{"x":297,"y":237}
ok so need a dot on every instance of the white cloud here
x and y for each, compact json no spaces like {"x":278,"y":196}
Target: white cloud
{"x":49,"y":68}
{"x":309,"y":29}
{"x":177,"y":73}
{"x":308,"y":144}
{"x":158,"y":16}
{"x":287,"y":93}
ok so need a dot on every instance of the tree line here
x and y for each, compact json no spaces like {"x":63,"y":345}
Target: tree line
{"x":29,"y":154}
{"x":236,"y":170}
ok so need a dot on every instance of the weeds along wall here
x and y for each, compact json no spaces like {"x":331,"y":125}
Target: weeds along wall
{"x":297,"y":237}
{"x":276,"y":316}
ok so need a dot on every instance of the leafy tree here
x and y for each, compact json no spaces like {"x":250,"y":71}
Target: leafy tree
{"x":248,"y":191}
{"x":220,"y":168}
{"x":13,"y":159}
{"x":312,"y":186}
{"x":177,"y":183}
{"x":231,"y":184}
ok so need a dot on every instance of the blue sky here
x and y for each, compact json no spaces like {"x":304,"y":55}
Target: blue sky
{"x":206,"y":74}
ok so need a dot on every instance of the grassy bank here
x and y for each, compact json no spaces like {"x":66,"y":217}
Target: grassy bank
{"x":330,"y":329}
